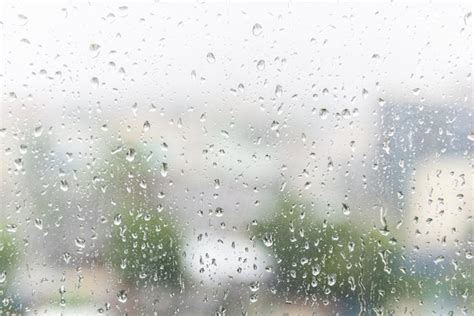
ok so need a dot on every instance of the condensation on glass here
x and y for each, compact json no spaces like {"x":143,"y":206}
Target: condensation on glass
{"x":228,"y":159}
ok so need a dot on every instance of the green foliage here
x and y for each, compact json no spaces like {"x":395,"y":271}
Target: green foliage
{"x":8,"y":258}
{"x":144,"y":245}
{"x":329,"y":261}
{"x":146,"y":249}
{"x":8,"y":252}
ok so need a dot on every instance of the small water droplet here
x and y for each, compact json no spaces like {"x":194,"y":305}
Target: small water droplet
{"x":331,"y":279}
{"x":211,"y":58}
{"x":3,"y":277}
{"x":38,"y":131}
{"x":131,"y":153}
{"x":346,"y":209}
{"x":268,"y":239}
{"x":39,"y":223}
{"x":80,"y":242}
{"x":257,"y":29}
{"x":164,"y":169}
{"x":122,"y":296}
{"x":118,"y":219}
{"x":323,"y":113}
{"x":64,"y":185}
{"x":12,"y":96}
{"x":95,"y":82}
{"x":261,"y":65}
{"x":278,"y":91}
{"x":365,"y":93}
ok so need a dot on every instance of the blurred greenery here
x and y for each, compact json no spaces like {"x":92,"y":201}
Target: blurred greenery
{"x":144,"y":244}
{"x":8,"y":259}
{"x":8,"y":252}
{"x":146,"y":248}
{"x":325,"y":260}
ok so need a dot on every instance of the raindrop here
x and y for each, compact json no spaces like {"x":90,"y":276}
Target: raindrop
{"x":12,"y":96}
{"x":39,"y":223}
{"x":122,"y":296}
{"x":257,"y":29}
{"x":64,"y":185}
{"x":164,"y":169}
{"x":268,"y":239}
{"x":254,"y":286}
{"x":3,"y":277}
{"x":211,"y":58}
{"x":117,"y":219}
{"x":261,"y":65}
{"x":95,"y":82}
{"x":323,"y":113}
{"x":278,"y":91}
{"x":331,"y":279}
{"x":365,"y":93}
{"x":345,"y":209}
{"x":67,"y":257}
{"x":80,"y":242}
{"x":38,"y":131}
{"x":130,"y":156}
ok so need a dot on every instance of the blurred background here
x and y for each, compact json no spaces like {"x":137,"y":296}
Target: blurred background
{"x":236,"y":158}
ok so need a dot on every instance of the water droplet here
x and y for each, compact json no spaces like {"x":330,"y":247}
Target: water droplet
{"x":94,"y":49}
{"x":211,"y":58}
{"x":164,"y":169}
{"x":95,"y":82}
{"x":3,"y":277}
{"x":254,"y":286}
{"x":274,"y":125}
{"x":39,"y":223}
{"x":439,"y":259}
{"x":146,"y":126}
{"x":64,"y":185}
{"x":131,"y":153}
{"x":323,"y":113}
{"x":12,"y":96}
{"x":118,"y":219}
{"x":268,"y":239}
{"x":257,"y":29}
{"x":331,"y":279}
{"x":67,"y":257}
{"x":261,"y":65}
{"x":38,"y":131}
{"x":253,"y":297}
{"x":219,"y":212}
{"x":122,"y":296}
{"x":316,"y":270}
{"x":345,"y":209}
{"x":365,"y":93}
{"x":11,"y":228}
{"x":278,"y":91}
{"x":80,"y":242}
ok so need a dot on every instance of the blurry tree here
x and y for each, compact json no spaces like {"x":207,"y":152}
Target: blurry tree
{"x":145,"y":244}
{"x":343,"y":264}
{"x":8,"y":258}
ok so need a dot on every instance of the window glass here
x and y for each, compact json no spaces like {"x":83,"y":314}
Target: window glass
{"x":236,"y":158}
